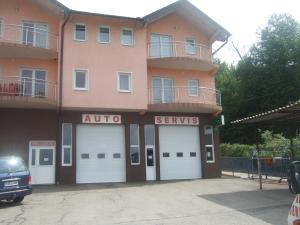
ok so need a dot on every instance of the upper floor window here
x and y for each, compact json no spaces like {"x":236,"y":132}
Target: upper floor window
{"x":193,"y":86}
{"x":104,"y":34}
{"x":80,"y":32}
{"x":80,"y":79}
{"x":35,"y":34}
{"x":163,"y":90}
{"x":190,"y":46}
{"x":124,"y":82}
{"x":1,"y":27}
{"x":34,"y":82}
{"x":127,"y":36}
{"x":161,"y":46}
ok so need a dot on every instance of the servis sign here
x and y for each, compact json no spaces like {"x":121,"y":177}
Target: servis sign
{"x":177,"y":120}
{"x":101,"y":118}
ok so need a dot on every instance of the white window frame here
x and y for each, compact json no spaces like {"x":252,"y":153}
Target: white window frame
{"x":35,"y":30}
{"x":86,"y":79}
{"x":132,"y":31}
{"x":2,"y":27}
{"x":66,"y":146}
{"x":99,"y":36}
{"x":189,"y":86}
{"x":212,"y":145}
{"x":130,"y":81}
{"x":74,"y":32}
{"x":186,"y":46}
{"x":138,"y":145}
{"x":34,"y":79}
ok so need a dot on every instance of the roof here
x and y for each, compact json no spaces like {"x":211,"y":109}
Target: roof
{"x":187,"y":10}
{"x":107,"y":15}
{"x":286,"y":114}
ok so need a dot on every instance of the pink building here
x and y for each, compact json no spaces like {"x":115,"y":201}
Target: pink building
{"x":92,"y":98}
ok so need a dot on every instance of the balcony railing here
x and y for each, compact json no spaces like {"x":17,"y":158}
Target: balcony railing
{"x":175,"y":94}
{"x":29,"y":88}
{"x":29,"y":36}
{"x":179,"y":49}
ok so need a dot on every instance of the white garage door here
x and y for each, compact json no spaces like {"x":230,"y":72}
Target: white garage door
{"x":179,"y":152}
{"x":100,"y":154}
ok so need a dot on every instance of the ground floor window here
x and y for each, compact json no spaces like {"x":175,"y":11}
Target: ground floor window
{"x":66,"y":144}
{"x":209,"y":144}
{"x":134,"y":144}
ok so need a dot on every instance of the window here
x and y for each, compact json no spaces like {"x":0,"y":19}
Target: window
{"x":134,"y":144}
{"x":34,"y":83}
{"x":33,"y":157}
{"x":193,"y":86}
{"x":166,"y":154}
{"x":1,"y":27}
{"x":163,"y":90}
{"x":161,"y":46}
{"x":209,"y":144}
{"x":124,"y":82}
{"x":192,"y":154}
{"x":116,"y":155}
{"x":80,"y":79}
{"x":104,"y":34}
{"x":190,"y":46}
{"x":101,"y":156}
{"x":35,"y":34}
{"x":179,"y":154}
{"x":85,"y":156}
{"x":66,"y":144}
{"x":80,"y":32}
{"x":46,"y":157}
{"x":149,"y":135}
{"x":127,"y":37}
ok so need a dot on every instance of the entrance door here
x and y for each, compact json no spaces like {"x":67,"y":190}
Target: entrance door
{"x":42,"y":165}
{"x":150,"y":152}
{"x":163,"y":90}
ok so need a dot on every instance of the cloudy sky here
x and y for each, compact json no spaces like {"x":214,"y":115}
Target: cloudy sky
{"x":242,"y":18}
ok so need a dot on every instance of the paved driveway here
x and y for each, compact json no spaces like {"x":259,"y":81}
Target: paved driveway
{"x":215,"y":201}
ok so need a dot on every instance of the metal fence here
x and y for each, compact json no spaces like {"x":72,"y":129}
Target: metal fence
{"x":270,"y":167}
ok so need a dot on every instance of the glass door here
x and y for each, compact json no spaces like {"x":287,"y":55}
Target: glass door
{"x":162,"y":90}
{"x":35,"y":34}
{"x":26,"y":82}
{"x":161,"y":46}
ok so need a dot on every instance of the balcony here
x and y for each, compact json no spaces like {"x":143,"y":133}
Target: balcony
{"x":184,"y":99}
{"x":19,"y":41}
{"x":16,"y":92}
{"x":180,"y":55}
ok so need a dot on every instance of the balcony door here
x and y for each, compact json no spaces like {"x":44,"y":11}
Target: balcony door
{"x":162,"y":90}
{"x":161,"y":46}
{"x":35,"y":34}
{"x":33,"y":82}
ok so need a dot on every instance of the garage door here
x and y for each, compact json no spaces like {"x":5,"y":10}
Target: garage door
{"x":100,"y":154}
{"x":179,"y":152}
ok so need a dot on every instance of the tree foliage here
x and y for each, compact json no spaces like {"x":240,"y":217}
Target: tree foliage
{"x":266,"y":78}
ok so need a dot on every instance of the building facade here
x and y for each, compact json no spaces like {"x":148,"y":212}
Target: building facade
{"x":92,"y":98}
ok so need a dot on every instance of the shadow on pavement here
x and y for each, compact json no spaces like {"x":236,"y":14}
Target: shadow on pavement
{"x":271,"y":206}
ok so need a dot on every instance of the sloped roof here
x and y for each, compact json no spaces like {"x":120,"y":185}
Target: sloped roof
{"x":190,"y":12}
{"x":285,"y":114}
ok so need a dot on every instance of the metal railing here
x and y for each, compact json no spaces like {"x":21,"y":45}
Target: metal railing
{"x":30,"y":36}
{"x":270,"y":167}
{"x":28,"y":87}
{"x":179,"y":49}
{"x":177,"y":94}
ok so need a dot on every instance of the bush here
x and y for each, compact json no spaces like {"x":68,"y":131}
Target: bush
{"x":236,"y":150}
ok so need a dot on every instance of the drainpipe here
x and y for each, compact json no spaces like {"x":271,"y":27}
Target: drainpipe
{"x":59,"y":119}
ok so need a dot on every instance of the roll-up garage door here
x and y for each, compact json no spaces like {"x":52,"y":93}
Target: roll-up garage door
{"x":179,"y":152}
{"x":100,"y":154}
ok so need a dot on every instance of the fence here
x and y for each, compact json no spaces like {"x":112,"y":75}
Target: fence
{"x":274,"y":167}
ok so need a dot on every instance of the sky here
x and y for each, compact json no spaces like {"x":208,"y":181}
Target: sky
{"x":242,"y":18}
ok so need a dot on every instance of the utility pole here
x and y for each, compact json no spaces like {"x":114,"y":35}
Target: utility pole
{"x":259,"y":166}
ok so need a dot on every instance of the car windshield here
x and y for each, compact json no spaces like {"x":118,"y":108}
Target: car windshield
{"x":11,"y":165}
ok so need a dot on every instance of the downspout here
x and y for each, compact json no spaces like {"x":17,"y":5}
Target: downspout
{"x":59,"y":116}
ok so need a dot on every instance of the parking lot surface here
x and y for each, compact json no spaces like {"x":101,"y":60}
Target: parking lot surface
{"x":223,"y":201}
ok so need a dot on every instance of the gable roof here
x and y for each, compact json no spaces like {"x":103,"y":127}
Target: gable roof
{"x":194,"y":15}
